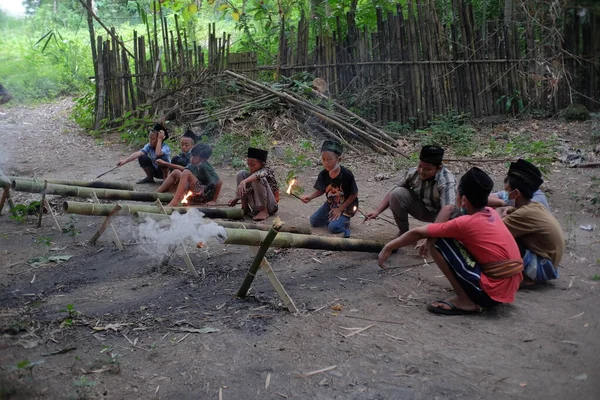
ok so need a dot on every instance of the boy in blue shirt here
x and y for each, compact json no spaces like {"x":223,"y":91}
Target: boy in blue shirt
{"x":147,"y":156}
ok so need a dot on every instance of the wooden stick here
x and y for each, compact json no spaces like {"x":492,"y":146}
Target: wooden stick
{"x":243,"y":290}
{"x":105,"y":224}
{"x":357,"y":331}
{"x":375,"y":320}
{"x":587,"y":165}
{"x":117,"y":240}
{"x":188,"y":262}
{"x":42,"y":204}
{"x":5,"y":197}
{"x":47,"y":205}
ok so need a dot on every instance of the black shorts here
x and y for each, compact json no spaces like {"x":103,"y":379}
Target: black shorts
{"x":146,"y":162}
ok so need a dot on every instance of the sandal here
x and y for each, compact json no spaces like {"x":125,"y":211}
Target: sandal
{"x":145,"y":180}
{"x":453,"y":309}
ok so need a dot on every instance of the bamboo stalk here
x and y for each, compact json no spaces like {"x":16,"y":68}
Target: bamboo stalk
{"x":67,"y":182}
{"x":39,"y":224}
{"x":243,"y":290}
{"x":139,"y":216}
{"x":74,"y":207}
{"x":5,"y":198}
{"x":292,"y":240}
{"x":105,"y":224}
{"x":79,"y":191}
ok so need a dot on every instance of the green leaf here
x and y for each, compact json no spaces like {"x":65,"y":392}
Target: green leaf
{"x":37,"y":261}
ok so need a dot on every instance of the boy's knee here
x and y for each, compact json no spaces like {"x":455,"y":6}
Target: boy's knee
{"x":400,"y":197}
{"x":241,"y":175}
{"x":337,"y":226}
{"x":144,"y":161}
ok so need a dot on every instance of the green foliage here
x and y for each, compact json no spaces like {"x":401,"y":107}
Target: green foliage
{"x":71,"y":315}
{"x":451,"y":129}
{"x":401,"y":163}
{"x":539,"y":152}
{"x":231,"y":148}
{"x":396,"y":129}
{"x":45,"y":240}
{"x":83,"y":387}
{"x":596,"y":277}
{"x":133,"y":126}
{"x":71,"y":229}
{"x":512,"y":103}
{"x":83,"y":111}
{"x":21,"y":212}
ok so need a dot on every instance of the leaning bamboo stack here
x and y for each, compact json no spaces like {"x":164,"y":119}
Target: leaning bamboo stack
{"x":73,"y":207}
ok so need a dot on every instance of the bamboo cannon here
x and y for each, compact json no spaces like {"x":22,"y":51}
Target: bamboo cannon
{"x":93,"y":184}
{"x":286,"y":240}
{"x":140,"y":216}
{"x":260,"y":255}
{"x":103,"y":210}
{"x":79,"y":191}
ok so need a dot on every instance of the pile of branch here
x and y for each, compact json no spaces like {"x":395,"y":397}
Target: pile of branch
{"x":349,"y":126}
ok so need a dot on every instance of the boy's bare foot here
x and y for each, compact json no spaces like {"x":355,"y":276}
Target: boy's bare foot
{"x":171,"y":204}
{"x":261,"y":216}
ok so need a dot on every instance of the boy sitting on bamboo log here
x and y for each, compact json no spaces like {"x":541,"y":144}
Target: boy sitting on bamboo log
{"x":257,"y":189}
{"x":179,"y":162}
{"x":154,"y":150}
{"x":423,"y":191}
{"x":475,"y":251}
{"x":199,"y":177}
{"x":341,"y":192}
{"x":538,"y":233}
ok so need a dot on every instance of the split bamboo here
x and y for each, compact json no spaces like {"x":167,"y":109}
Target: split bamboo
{"x":91,"y":184}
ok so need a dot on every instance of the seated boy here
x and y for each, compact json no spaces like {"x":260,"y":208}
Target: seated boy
{"x":199,"y":177}
{"x":475,"y":251}
{"x":538,"y":233}
{"x":187,"y":141}
{"x":153,"y":150}
{"x":257,"y":189}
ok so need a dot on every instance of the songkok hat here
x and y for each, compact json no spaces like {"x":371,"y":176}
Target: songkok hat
{"x":259,"y":154}
{"x":476,"y":186}
{"x":161,"y":127}
{"x":333,"y":146}
{"x":190,"y":134}
{"x":528,"y":177}
{"x":201,"y":150}
{"x":432,"y":155}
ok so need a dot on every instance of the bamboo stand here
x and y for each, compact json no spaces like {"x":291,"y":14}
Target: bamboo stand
{"x":107,"y":223}
{"x":5,"y":198}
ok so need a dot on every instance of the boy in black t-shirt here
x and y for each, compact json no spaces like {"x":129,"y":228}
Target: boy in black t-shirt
{"x":340,"y":189}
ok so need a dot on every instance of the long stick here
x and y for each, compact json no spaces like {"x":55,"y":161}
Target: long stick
{"x":110,"y":170}
{"x":75,"y":207}
{"x":243,"y":290}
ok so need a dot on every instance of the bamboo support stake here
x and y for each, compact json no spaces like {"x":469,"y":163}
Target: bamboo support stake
{"x":243,"y":290}
{"x":39,"y":224}
{"x":117,"y":240}
{"x":105,"y":225}
{"x":6,"y":198}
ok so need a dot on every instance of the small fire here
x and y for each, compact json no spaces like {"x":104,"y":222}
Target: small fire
{"x":200,"y":245}
{"x":354,"y":209}
{"x":292,"y":183}
{"x":185,"y":198}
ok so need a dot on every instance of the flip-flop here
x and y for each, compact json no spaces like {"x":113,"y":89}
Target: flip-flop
{"x":452,"y":311}
{"x":145,"y":180}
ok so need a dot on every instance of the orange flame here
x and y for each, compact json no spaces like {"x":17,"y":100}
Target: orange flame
{"x":354,"y":209}
{"x":185,"y":198}
{"x":292,"y":183}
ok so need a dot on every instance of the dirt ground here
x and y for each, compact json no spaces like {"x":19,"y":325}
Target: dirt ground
{"x":132,"y":336}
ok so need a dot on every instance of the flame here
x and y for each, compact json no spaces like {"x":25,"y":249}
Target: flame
{"x":185,"y":198}
{"x":354,"y":209}
{"x":200,"y":245}
{"x":292,"y":183}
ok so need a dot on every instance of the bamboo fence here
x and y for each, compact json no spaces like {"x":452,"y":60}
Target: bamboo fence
{"x":417,"y":63}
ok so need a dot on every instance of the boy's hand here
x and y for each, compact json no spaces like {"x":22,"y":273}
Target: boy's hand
{"x":384,"y":254}
{"x":371,"y":215}
{"x":423,"y":247}
{"x":161,"y":161}
{"x":121,"y":163}
{"x":161,"y":135}
{"x":233,"y":203}
{"x":305,"y":199}
{"x":241,"y":189}
{"x":335,"y":214}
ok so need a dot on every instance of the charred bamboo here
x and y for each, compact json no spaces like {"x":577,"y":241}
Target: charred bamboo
{"x":73,"y":207}
{"x":252,"y":237}
{"x":141,"y":216}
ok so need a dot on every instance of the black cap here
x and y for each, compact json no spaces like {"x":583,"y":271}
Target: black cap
{"x":259,"y":154}
{"x":476,"y":186}
{"x":432,"y":155}
{"x":333,"y":146}
{"x":528,"y":177}
{"x":161,"y":127}
{"x":190,"y":134}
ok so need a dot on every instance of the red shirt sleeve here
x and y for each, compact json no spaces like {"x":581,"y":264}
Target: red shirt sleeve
{"x":450,"y":229}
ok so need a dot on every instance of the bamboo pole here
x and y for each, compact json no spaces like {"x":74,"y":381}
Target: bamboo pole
{"x":117,"y":240}
{"x":74,"y":207}
{"x":79,"y":191}
{"x":105,"y":224}
{"x":139,"y":216}
{"x":67,"y":182}
{"x":243,"y":290}
{"x":39,"y":224}
{"x":292,"y":240}
{"x":6,"y":197}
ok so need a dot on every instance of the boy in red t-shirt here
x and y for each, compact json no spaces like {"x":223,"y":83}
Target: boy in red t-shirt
{"x":476,"y":252}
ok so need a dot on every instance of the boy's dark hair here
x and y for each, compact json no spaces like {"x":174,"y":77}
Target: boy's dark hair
{"x":190,"y":134}
{"x":476,"y":186}
{"x":525,"y":190}
{"x":161,"y":127}
{"x":201,"y":150}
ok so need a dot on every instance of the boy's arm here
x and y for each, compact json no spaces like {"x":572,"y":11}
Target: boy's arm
{"x":349,"y":201}
{"x":383,"y":205}
{"x":131,"y":157}
{"x":410,"y":237}
{"x":312,"y":196}
{"x":159,"y":142}
{"x":494,"y":201}
{"x":170,"y":165}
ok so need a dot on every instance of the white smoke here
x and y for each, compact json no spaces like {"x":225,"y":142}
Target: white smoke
{"x":189,"y":228}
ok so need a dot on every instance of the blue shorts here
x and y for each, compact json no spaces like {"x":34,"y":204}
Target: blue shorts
{"x":466,"y":271}
{"x":537,"y":268}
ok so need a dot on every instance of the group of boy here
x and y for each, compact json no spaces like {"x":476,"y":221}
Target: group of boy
{"x":487,"y":245}
{"x":486,"y":254}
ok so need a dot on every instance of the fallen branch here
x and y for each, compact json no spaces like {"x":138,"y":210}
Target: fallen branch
{"x":587,"y":165}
